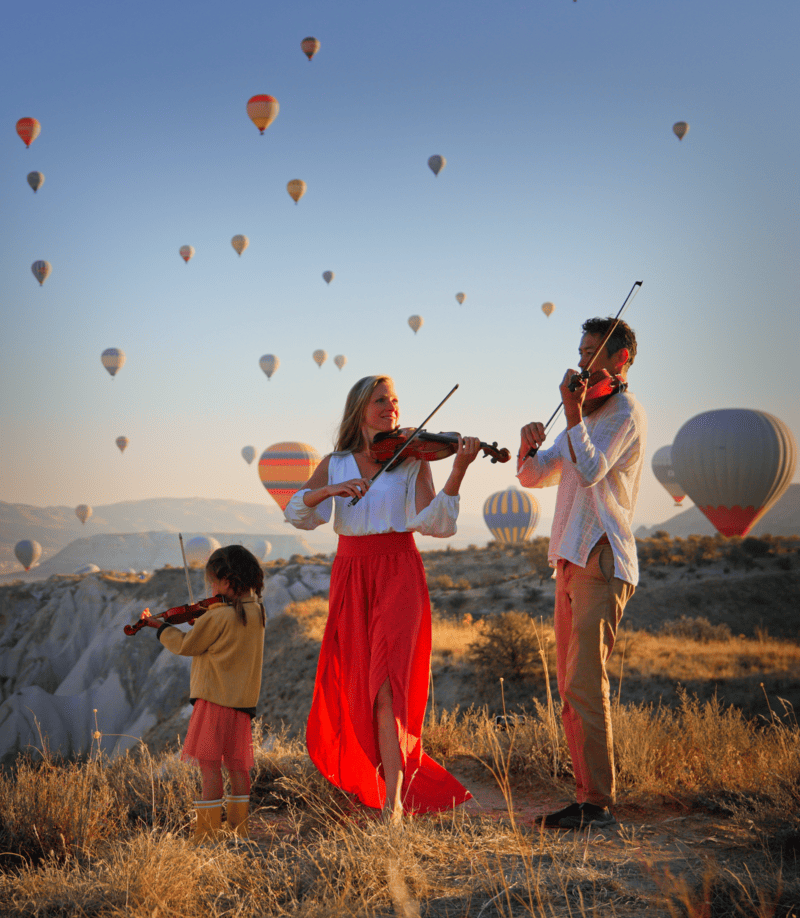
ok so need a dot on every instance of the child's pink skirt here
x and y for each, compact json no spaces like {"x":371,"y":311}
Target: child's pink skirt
{"x":218,"y":734}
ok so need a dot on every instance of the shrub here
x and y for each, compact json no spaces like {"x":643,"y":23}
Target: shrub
{"x":695,"y":629}
{"x":510,"y":646}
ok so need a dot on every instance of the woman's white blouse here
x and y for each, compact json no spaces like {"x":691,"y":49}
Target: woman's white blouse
{"x":389,"y":505}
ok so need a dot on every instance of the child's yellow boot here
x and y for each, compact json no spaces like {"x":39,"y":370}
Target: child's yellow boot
{"x":237,"y":812}
{"x":208,"y":820}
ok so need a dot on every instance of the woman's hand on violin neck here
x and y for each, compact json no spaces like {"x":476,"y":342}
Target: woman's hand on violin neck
{"x":468,"y":449}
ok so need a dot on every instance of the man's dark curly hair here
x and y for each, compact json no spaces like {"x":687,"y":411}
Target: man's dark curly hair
{"x":623,"y":335}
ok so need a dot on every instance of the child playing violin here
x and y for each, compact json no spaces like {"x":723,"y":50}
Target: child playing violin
{"x":371,"y":689}
{"x":226,"y":646}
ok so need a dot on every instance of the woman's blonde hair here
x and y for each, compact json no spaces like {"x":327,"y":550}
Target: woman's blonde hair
{"x":349,"y":437}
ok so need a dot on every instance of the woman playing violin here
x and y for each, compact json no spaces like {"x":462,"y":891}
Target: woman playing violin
{"x":371,"y":689}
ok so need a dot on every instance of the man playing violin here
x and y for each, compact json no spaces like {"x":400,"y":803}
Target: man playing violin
{"x":596,"y":464}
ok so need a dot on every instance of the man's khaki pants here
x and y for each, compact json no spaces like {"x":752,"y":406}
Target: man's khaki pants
{"x":589,"y":605}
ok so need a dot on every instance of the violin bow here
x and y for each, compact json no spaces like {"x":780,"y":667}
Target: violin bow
{"x":387,"y":466}
{"x":585,"y":372}
{"x":186,"y":569}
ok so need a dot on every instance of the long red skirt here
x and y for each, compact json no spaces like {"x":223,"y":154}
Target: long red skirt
{"x":379,"y":628}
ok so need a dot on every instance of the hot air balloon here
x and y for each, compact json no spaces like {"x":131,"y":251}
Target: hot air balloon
{"x":83,"y":512}
{"x":328,"y":276}
{"x":310,"y":46}
{"x":415,"y":322}
{"x":665,"y":474}
{"x":240,"y":243}
{"x":41,"y":271}
{"x":734,"y":463}
{"x":340,"y":360}
{"x":320,"y":357}
{"x":262,"y":111}
{"x":122,"y":443}
{"x":260,"y":548}
{"x":461,"y":297}
{"x":436,"y":163}
{"x":186,"y":252}
{"x":113,"y":360}
{"x":28,"y":129}
{"x":248,"y":453}
{"x":198,"y":550}
{"x":269,"y":363}
{"x":35,"y":180}
{"x":547,"y":309}
{"x":680,"y":129}
{"x":285,"y":467}
{"x":511,"y":515}
{"x":28,"y":553}
{"x":296,"y":189}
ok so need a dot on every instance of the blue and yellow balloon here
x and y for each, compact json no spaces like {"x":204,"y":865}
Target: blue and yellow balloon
{"x":511,"y":515}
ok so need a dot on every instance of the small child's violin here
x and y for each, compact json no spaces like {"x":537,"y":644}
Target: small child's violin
{"x":428,"y":446}
{"x":178,"y":615}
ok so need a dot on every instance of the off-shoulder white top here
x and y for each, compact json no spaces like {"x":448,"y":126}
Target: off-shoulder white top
{"x":388,"y":506}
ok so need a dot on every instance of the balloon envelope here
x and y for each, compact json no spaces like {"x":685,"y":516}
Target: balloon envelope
{"x":35,"y":180}
{"x":260,"y":548}
{"x":547,"y":309}
{"x":28,"y":553}
{"x":327,"y":276}
{"x":320,"y":357}
{"x":461,"y":297}
{"x":248,"y":454}
{"x":199,"y":549}
{"x":186,"y":252}
{"x":665,"y":473}
{"x":28,"y":129}
{"x":262,"y":110}
{"x":436,"y":163}
{"x":415,"y":322}
{"x":113,"y":359}
{"x":310,"y":46}
{"x":122,"y":443}
{"x":83,"y":512}
{"x":681,"y":129}
{"x":340,"y":360}
{"x":41,"y":271}
{"x":240,"y":243}
{"x":285,"y":467}
{"x":511,"y":515}
{"x":296,"y":189}
{"x":269,"y":363}
{"x":734,"y":463}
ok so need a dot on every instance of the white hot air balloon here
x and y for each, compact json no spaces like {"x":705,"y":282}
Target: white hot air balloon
{"x":260,"y":548}
{"x":415,"y":322}
{"x":735,"y":464}
{"x":186,"y":252}
{"x":328,"y":276}
{"x":665,"y":474}
{"x":340,"y":360}
{"x":199,"y":549}
{"x":240,"y":243}
{"x":28,"y":552}
{"x":461,"y":297}
{"x":320,"y":357}
{"x":248,"y":454}
{"x":269,"y":363}
{"x":113,"y":359}
{"x":83,"y":512}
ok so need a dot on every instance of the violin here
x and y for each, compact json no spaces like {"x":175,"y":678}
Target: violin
{"x":600,"y":386}
{"x":180,"y":614}
{"x":425,"y":445}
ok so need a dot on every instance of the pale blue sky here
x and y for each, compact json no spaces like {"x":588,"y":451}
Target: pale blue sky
{"x":564,"y":182}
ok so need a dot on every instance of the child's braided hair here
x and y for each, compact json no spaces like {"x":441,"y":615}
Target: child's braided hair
{"x":241,"y":569}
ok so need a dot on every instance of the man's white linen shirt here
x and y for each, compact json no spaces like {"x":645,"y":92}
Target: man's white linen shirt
{"x":597,"y":493}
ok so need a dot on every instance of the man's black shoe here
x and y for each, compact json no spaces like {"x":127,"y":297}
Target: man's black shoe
{"x":588,"y":814}
{"x":554,"y":820}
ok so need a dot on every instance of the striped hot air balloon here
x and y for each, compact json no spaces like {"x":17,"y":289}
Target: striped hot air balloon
{"x":186,"y":252}
{"x":285,"y":467}
{"x":262,"y":111}
{"x":310,"y":46}
{"x":113,"y":360}
{"x":735,"y":463}
{"x":41,"y":271}
{"x":28,"y":130}
{"x":511,"y":515}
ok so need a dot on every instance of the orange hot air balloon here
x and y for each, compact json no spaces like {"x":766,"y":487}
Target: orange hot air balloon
{"x":296,"y":189}
{"x":310,"y":46}
{"x":285,"y":467}
{"x":547,"y":309}
{"x":186,"y":252}
{"x":461,"y":297}
{"x":263,"y":110}
{"x":735,"y":464}
{"x":28,"y":129}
